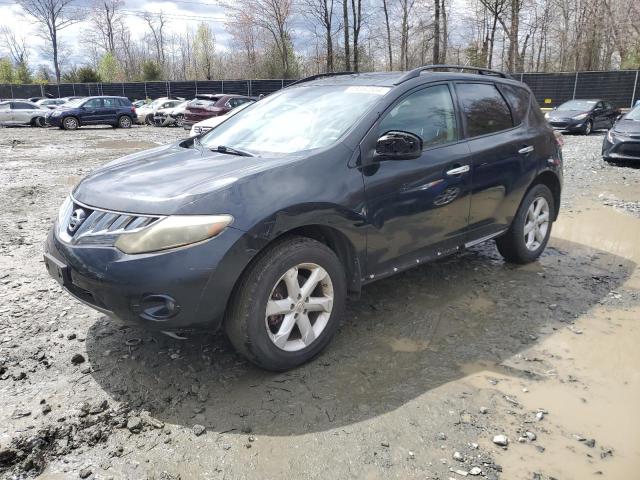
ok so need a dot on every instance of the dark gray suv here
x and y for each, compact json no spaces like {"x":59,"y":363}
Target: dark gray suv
{"x":265,"y":224}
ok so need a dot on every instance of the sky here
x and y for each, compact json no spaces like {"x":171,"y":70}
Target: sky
{"x":181,"y":14}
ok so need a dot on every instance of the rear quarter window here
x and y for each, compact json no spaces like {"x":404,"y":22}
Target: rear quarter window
{"x":518,"y":100}
{"x":484,"y":108}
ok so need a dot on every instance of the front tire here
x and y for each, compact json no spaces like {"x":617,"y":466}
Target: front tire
{"x":70,"y":123}
{"x":529,"y":232}
{"x":38,"y":122}
{"x":588,"y":127}
{"x":288,"y":304}
{"x":148,"y":120}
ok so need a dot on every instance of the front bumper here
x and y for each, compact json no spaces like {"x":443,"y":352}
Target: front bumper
{"x":623,"y":147}
{"x":179,"y":289}
{"x":52,"y":121}
{"x":568,"y":124}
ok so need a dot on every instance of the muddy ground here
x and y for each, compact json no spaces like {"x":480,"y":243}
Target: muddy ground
{"x":427,"y":368}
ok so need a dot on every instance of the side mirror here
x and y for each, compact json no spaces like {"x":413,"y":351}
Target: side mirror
{"x":398,"y":145}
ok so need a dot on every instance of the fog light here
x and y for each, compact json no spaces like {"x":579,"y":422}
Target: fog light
{"x":156,"y":307}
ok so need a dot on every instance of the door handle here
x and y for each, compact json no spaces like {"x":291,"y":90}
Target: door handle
{"x":525,"y":150}
{"x":458,"y":170}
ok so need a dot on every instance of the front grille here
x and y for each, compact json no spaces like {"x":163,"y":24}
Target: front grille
{"x":80,"y":224}
{"x":559,"y":123}
{"x":629,"y":149}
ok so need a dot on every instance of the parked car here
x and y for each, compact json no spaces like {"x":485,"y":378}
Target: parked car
{"x":210,"y":123}
{"x":622,"y":142}
{"x":146,"y":112}
{"x":583,"y":116}
{"x":114,"y":111}
{"x":165,"y":117}
{"x":35,"y":99}
{"x":21,"y":112}
{"x":139,"y":103}
{"x":266,"y":223}
{"x":51,"y":103}
{"x":207,"y":106}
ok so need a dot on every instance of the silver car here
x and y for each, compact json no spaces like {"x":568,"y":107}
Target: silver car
{"x":21,"y":112}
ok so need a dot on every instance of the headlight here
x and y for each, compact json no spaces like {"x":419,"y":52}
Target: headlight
{"x":173,"y":231}
{"x":546,"y":115}
{"x":65,"y":210}
{"x":582,"y":116}
{"x":611,"y":136}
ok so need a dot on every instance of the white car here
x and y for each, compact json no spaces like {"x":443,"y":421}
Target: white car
{"x":145,"y":113}
{"x":21,"y":112}
{"x":165,"y":117}
{"x":210,"y":123}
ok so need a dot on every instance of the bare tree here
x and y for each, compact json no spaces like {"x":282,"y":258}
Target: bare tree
{"x":322,"y":12}
{"x":356,"y":14}
{"x":17,"y":47}
{"x":51,"y":17}
{"x":385,"y":8}
{"x":156,"y":24}
{"x":104,"y":19}
{"x":345,"y":20}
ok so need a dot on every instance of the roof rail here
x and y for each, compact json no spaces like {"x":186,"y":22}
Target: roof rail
{"x":479,"y":70}
{"x":319,"y":75}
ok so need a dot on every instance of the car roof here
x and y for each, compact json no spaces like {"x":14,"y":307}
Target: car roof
{"x":393,"y":79}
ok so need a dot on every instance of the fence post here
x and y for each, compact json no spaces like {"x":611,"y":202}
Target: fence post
{"x":282,"y":81}
{"x":168,"y":86}
{"x":575,"y":85}
{"x":145,"y":91}
{"x":58,"y":90}
{"x":222,"y":86}
{"x":196,"y":82}
{"x":11,"y":88}
{"x":123,"y":90}
{"x":249,"y":88}
{"x":633,"y":94}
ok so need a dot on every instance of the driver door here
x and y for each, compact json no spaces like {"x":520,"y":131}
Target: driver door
{"x":417,"y":208}
{"x":90,"y":111}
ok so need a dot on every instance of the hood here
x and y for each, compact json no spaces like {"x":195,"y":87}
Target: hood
{"x":627,"y":126}
{"x":565,"y":113}
{"x":168,"y":179}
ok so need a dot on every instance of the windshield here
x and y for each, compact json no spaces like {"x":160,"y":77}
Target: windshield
{"x":295,"y":119}
{"x":633,"y":114}
{"x":582,"y":105}
{"x":74,"y":103}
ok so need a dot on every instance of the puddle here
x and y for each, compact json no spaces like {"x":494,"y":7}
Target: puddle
{"x":592,"y":390}
{"x":408,"y":345}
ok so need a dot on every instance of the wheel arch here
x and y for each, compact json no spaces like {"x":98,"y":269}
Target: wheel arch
{"x":549,"y":179}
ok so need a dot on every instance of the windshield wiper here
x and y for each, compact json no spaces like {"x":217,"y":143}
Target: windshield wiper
{"x":231,"y":151}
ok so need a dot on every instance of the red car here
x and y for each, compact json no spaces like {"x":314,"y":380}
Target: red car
{"x":208,"y":105}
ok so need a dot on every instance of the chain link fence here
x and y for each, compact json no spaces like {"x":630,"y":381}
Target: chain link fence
{"x":621,"y":87}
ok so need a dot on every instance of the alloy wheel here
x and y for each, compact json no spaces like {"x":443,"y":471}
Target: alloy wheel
{"x":536,"y":224}
{"x":299,"y":307}
{"x":70,"y":123}
{"x":180,"y":120}
{"x":587,"y":128}
{"x":125,"y":122}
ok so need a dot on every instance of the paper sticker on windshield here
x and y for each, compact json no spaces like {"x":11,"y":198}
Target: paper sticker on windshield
{"x":368,"y":90}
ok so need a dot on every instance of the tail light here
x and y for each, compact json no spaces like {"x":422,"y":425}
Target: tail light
{"x":559,"y":138}
{"x":133,"y":109}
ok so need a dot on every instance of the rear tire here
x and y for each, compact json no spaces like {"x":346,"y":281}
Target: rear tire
{"x":70,"y":123}
{"x":38,"y":122}
{"x":529,"y":233}
{"x":124,"y":121}
{"x":179,"y":120}
{"x":148,"y":120}
{"x":304,"y":283}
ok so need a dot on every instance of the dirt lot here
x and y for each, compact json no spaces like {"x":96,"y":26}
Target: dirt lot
{"x":427,"y":368}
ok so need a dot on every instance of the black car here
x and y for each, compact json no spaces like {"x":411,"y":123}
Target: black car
{"x":114,"y":111}
{"x":583,"y":116}
{"x":266,"y":223}
{"x":622,"y":142}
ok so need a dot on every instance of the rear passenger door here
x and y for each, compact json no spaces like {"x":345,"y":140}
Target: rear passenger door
{"x":22,"y":112}
{"x":109,"y":110}
{"x":417,"y":208}
{"x":504,"y":150}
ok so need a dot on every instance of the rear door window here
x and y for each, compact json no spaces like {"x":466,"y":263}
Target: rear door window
{"x":109,"y":102}
{"x":484,"y":109}
{"x":23,"y":106}
{"x":518,"y":100}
